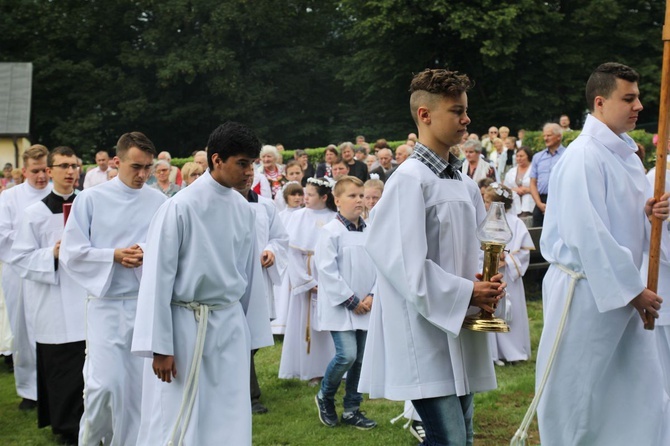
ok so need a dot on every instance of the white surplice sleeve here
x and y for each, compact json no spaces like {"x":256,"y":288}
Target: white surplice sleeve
{"x":34,"y":262}
{"x":331,"y":283}
{"x":153,"y":332}
{"x":88,"y":265}
{"x":278,"y":245}
{"x":253,"y":300}
{"x":397,"y":243}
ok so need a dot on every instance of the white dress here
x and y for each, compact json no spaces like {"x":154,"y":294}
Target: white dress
{"x":525,"y":202}
{"x":422,"y":241}
{"x":189,"y":259}
{"x":605,"y":383}
{"x":344,"y":269}
{"x":282,"y":292}
{"x":13,"y":203}
{"x":515,"y":345}
{"x":306,"y":351}
{"x":108,"y":216}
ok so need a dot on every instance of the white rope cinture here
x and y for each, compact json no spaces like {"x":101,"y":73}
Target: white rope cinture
{"x":521,"y":434}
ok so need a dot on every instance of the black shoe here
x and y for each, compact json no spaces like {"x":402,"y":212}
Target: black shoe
{"x":258,"y":407}
{"x":359,"y":421}
{"x":9,"y":362}
{"x":416,"y":429}
{"x":27,"y":404}
{"x":68,"y":439}
{"x":327,"y":413}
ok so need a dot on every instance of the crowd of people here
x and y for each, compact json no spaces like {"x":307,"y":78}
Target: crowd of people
{"x":145,"y":287}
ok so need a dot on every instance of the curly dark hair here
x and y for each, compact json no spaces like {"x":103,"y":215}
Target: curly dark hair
{"x":429,"y":85}
{"x":441,"y":81}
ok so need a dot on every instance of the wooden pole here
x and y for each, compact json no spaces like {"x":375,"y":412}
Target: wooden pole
{"x":661,"y":162}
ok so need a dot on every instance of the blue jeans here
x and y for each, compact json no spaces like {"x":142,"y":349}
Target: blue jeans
{"x":447,"y":420}
{"x":349,"y":347}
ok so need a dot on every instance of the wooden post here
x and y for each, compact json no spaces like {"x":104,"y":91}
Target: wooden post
{"x":661,"y":162}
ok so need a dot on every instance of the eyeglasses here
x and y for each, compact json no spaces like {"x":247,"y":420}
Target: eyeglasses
{"x":66,"y":166}
{"x":195,"y":174}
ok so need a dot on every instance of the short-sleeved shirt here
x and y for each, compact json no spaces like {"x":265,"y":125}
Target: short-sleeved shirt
{"x":541,"y":167}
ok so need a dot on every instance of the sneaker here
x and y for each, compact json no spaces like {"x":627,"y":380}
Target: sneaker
{"x":327,"y":413}
{"x":499,"y":363}
{"x":359,"y":421}
{"x":416,"y":429}
{"x":258,"y":407}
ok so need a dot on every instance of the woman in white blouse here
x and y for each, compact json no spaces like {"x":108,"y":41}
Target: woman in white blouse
{"x":518,"y":179}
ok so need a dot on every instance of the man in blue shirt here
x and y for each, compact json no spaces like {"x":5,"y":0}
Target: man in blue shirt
{"x":540,"y":171}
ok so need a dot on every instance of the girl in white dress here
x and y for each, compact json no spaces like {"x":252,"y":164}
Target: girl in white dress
{"x":373,"y":190}
{"x":293,"y":196}
{"x":294,"y":173}
{"x":306,"y":352}
{"x":515,"y":345}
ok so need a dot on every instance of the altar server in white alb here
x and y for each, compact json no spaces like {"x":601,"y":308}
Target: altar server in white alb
{"x":272,"y":239}
{"x":102,"y":251}
{"x":202,"y":305}
{"x":346,"y":291}
{"x":515,"y":345}
{"x":605,"y":386}
{"x":422,"y":241}
{"x":13,"y":202}
{"x":662,"y":329}
{"x":58,"y":300}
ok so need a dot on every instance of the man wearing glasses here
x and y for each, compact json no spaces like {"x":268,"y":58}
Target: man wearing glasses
{"x":58,"y":302}
{"x":13,"y":202}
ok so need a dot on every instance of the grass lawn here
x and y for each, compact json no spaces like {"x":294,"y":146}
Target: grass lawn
{"x":293,"y":420}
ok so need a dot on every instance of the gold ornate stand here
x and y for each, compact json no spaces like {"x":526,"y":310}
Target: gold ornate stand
{"x":485,"y":321}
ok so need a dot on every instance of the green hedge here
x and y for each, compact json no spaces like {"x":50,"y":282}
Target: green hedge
{"x":315,"y":154}
{"x":535,"y":142}
{"x":532,"y":139}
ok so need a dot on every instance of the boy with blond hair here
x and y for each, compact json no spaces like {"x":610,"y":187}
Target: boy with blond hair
{"x":346,"y":281}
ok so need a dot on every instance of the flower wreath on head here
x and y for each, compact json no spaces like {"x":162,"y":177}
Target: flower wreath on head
{"x":289,"y":182}
{"x":500,"y":191}
{"x":318,"y":182}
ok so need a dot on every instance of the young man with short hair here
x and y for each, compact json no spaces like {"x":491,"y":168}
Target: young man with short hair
{"x":102,"y":251}
{"x":427,"y":277}
{"x":605,"y":386}
{"x":202,"y":260}
{"x":13,"y":203}
{"x":58,"y":301}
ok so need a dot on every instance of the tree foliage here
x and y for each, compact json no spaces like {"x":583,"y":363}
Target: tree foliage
{"x":305,"y":72}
